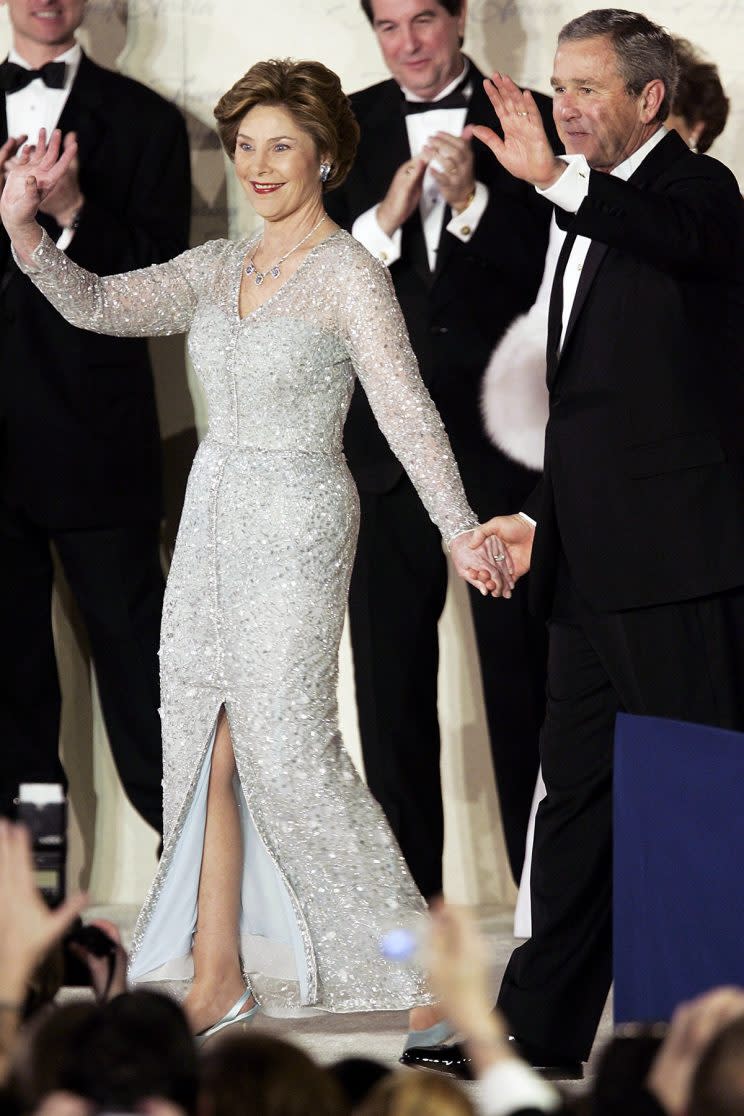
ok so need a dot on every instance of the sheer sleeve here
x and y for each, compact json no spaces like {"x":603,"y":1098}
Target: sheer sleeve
{"x":377,"y":339}
{"x":153,"y":300}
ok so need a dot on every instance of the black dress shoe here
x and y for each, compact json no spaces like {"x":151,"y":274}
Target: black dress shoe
{"x":455,"y":1061}
{"x":450,"y":1059}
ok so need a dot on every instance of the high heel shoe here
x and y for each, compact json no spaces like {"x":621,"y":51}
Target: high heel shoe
{"x":432,"y":1036}
{"x":232,"y":1016}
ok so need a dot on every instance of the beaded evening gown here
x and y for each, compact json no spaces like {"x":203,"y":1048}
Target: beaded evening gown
{"x":255,"y":604}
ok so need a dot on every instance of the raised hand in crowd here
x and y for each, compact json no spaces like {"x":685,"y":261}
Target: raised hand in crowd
{"x":28,"y":929}
{"x":105,"y":981}
{"x":457,"y":963}
{"x":505,"y":534}
{"x":452,"y":166}
{"x":65,"y":1104}
{"x":524,"y":151}
{"x":31,"y":177}
{"x":694,"y":1025}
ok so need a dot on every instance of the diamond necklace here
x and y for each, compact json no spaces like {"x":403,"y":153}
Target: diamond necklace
{"x":274,"y":270}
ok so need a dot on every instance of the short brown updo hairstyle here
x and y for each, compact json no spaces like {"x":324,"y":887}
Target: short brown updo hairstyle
{"x":311,"y":94}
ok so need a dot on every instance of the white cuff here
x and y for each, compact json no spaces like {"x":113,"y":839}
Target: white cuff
{"x":464,"y":224}
{"x":512,"y":1085}
{"x":367,"y":231}
{"x":65,"y":239}
{"x":527,"y":518}
{"x":572,"y":187}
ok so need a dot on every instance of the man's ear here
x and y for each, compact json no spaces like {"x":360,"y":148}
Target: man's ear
{"x":462,"y":16}
{"x":652,"y":98}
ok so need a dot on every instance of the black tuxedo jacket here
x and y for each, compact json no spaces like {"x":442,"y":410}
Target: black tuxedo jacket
{"x":456,"y":314}
{"x":644,"y":482}
{"x":79,"y":440}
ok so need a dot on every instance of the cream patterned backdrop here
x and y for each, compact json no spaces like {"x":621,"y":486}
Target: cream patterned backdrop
{"x":191,"y":51}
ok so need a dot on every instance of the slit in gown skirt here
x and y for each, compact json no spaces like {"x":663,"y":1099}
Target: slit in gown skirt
{"x":255,"y":605}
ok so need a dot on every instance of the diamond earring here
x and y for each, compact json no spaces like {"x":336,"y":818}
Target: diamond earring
{"x":325,"y":170}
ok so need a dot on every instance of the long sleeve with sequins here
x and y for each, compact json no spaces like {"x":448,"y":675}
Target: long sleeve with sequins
{"x":380,"y":350}
{"x":160,"y":299}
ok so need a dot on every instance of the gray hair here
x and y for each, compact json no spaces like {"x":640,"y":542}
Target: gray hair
{"x":645,"y":52}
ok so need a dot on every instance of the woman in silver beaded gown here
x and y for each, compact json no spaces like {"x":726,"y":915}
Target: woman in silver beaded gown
{"x":254,"y":608}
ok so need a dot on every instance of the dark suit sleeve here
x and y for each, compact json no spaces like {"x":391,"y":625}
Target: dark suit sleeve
{"x":689,"y":227}
{"x":153,"y":225}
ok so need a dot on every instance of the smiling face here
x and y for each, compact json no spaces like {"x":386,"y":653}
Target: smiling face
{"x":43,"y":29}
{"x":594,"y":113}
{"x":420,"y":42}
{"x":276,"y":162}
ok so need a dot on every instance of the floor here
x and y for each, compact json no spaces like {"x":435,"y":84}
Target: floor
{"x":377,"y":1035}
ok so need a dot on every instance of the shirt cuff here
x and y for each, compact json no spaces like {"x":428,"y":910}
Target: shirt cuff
{"x":367,"y":231}
{"x":527,"y":518}
{"x":65,"y":239}
{"x":513,"y":1085}
{"x":464,"y":224}
{"x":572,"y":187}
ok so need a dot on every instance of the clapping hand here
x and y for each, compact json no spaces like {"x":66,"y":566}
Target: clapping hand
{"x":8,"y":151}
{"x":450,"y":160}
{"x":524,"y":151}
{"x":31,"y":177}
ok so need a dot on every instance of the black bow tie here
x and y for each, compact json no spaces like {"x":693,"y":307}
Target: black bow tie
{"x":14,"y":77}
{"x":459,"y":97}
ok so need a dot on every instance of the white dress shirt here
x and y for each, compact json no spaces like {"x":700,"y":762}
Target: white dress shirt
{"x":569,"y":192}
{"x":37,"y":106}
{"x":421,"y":126}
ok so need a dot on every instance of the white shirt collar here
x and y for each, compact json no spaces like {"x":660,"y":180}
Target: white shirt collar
{"x":630,"y":165}
{"x":410,"y":96}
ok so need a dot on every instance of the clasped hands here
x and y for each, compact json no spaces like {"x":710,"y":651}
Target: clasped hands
{"x":494,"y":555}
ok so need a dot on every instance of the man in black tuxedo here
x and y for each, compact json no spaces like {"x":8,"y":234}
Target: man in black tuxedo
{"x":465,"y":244}
{"x":79,"y":440}
{"x":638,"y":555}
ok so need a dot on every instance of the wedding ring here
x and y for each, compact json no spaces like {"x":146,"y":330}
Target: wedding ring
{"x":499,"y":557}
{"x":523,"y":114}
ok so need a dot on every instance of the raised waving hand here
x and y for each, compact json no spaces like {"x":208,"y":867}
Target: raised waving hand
{"x":525,"y":150}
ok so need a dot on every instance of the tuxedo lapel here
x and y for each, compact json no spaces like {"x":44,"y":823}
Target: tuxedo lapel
{"x":82,"y":112}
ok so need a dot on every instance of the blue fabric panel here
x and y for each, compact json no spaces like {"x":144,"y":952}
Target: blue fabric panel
{"x":678,"y":850}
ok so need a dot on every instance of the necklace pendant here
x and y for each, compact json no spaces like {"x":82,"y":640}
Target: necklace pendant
{"x":275,"y":271}
{"x":250,"y":268}
{"x":259,"y":278}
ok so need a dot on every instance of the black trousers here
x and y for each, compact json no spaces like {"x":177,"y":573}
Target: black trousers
{"x":397,"y":594}
{"x":684,"y":661}
{"x":115,"y":576}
